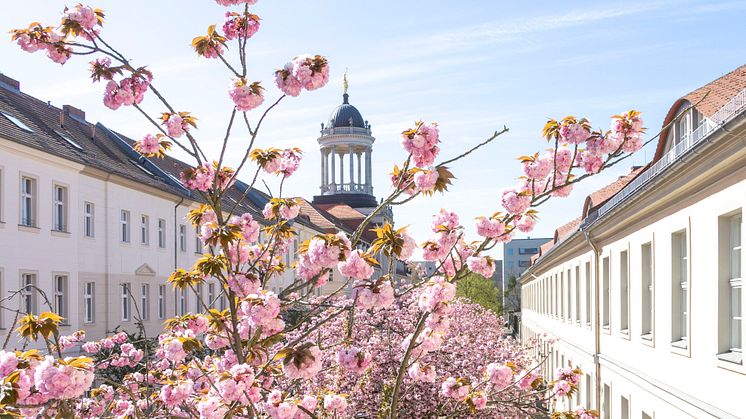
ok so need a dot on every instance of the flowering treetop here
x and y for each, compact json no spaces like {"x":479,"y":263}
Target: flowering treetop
{"x":371,"y":347}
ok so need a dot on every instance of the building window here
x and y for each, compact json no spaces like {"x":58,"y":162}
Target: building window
{"x":606,"y":408}
{"x":606,"y":291}
{"x":60,"y":295}
{"x":210,"y":294}
{"x":562,"y":312}
{"x":124,"y":220}
{"x":28,"y":201}
{"x":528,"y":250}
{"x":524,"y":263}
{"x":60,"y":208}
{"x":624,"y":292}
{"x":577,"y":293}
{"x":28,"y":292}
{"x":126,"y":309}
{"x":588,"y":303}
{"x":145,"y":301}
{"x":625,"y":408}
{"x":161,"y":301}
{"x":589,"y":399}
{"x":646,"y":275}
{"x":735,"y":282}
{"x":200,"y":292}
{"x":182,"y":303}
{"x":89,"y":292}
{"x":182,"y":237}
{"x":161,"y":233}
{"x":680,"y":288}
{"x":222,"y":301}
{"x":2,"y":202}
{"x":88,"y":211}
{"x":144,"y":229}
{"x":730,"y":293}
{"x":198,"y":247}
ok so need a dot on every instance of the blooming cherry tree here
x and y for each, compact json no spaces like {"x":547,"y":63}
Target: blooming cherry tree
{"x":371,"y":347}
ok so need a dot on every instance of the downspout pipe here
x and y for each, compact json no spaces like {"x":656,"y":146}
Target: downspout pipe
{"x":597,"y":318}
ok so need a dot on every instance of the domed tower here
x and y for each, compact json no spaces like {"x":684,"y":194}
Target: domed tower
{"x":346,"y":145}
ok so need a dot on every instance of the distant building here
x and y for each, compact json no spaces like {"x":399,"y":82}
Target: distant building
{"x":517,"y":255}
{"x":497,"y":277}
{"x":643,"y":291}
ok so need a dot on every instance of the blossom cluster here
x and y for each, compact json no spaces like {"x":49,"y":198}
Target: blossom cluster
{"x":302,"y":72}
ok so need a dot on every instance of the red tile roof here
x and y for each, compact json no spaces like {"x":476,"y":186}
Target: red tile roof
{"x":602,"y":195}
{"x":718,"y":92}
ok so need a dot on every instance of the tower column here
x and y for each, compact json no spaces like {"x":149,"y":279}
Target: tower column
{"x":368,"y":171}
{"x":334,"y":180}
{"x":359,"y":169}
{"x":323,"y":170}
{"x":352,"y":169}
{"x":341,"y":169}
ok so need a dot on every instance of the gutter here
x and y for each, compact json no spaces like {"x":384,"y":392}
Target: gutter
{"x":597,"y":318}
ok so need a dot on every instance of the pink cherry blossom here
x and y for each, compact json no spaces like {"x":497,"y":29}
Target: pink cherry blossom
{"x":304,"y":363}
{"x":335,"y":404}
{"x":425,"y":180}
{"x":499,"y":376}
{"x":421,"y":372}
{"x":246,"y":96}
{"x":150,"y":144}
{"x":354,"y":360}
{"x":515,"y":202}
{"x":490,"y":228}
{"x":240,"y":25}
{"x":454,"y":389}
{"x":234,"y":2}
{"x":421,"y":142}
{"x":573,"y":133}
{"x":356,"y":266}
{"x":481,"y":265}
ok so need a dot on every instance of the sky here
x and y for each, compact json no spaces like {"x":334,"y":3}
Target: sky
{"x":472,"y":66}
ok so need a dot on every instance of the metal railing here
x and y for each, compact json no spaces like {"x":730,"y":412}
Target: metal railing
{"x":345,"y":130}
{"x":334,"y":188}
{"x":734,"y":106}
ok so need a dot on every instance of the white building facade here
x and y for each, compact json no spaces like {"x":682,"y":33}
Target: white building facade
{"x":90,"y":230}
{"x":645,"y":294}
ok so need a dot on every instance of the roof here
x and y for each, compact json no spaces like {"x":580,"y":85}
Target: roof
{"x":341,"y":211}
{"x":66,"y":134}
{"x":718,"y":91}
{"x":599,"y":197}
{"x":707,"y":99}
{"x":565,"y":230}
{"x":346,"y":115}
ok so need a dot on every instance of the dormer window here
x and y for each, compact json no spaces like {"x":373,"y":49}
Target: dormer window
{"x":683,"y":127}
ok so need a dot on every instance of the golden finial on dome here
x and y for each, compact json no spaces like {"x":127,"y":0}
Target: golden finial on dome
{"x":344,"y":82}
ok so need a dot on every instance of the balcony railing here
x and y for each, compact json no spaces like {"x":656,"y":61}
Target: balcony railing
{"x":335,"y":188}
{"x":345,"y":130}
{"x":735,"y":106}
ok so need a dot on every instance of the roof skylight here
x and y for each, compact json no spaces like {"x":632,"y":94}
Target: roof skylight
{"x":17,"y":122}
{"x":69,"y":140}
{"x":141,"y":167}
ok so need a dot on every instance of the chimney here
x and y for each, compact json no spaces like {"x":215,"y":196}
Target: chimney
{"x":74,"y":113}
{"x":9,"y":84}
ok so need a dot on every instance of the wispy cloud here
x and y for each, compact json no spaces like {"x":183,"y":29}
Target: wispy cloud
{"x":512,"y":29}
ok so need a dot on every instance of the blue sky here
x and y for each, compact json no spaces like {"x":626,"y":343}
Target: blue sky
{"x":472,"y":66}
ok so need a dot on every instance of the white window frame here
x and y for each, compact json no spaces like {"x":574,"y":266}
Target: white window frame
{"x":624,"y":292}
{"x":210,"y":294}
{"x":161,"y":233}
{"x":182,"y":238}
{"x":89,"y":211}
{"x":144,"y":229}
{"x":89,"y":302}
{"x":647,"y":290}
{"x":735,"y":282}
{"x":145,"y":301}
{"x":59,"y":207}
{"x":28,"y":201}
{"x":125,"y":233}
{"x":199,"y":247}
{"x":28,"y":294}
{"x":126,"y":302}
{"x":182,"y":303}
{"x":606,"y":292}
{"x":60,"y":302}
{"x":161,"y":301}
{"x":680,"y":287}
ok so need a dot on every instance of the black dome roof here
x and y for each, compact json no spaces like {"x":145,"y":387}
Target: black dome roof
{"x":344,"y":113}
